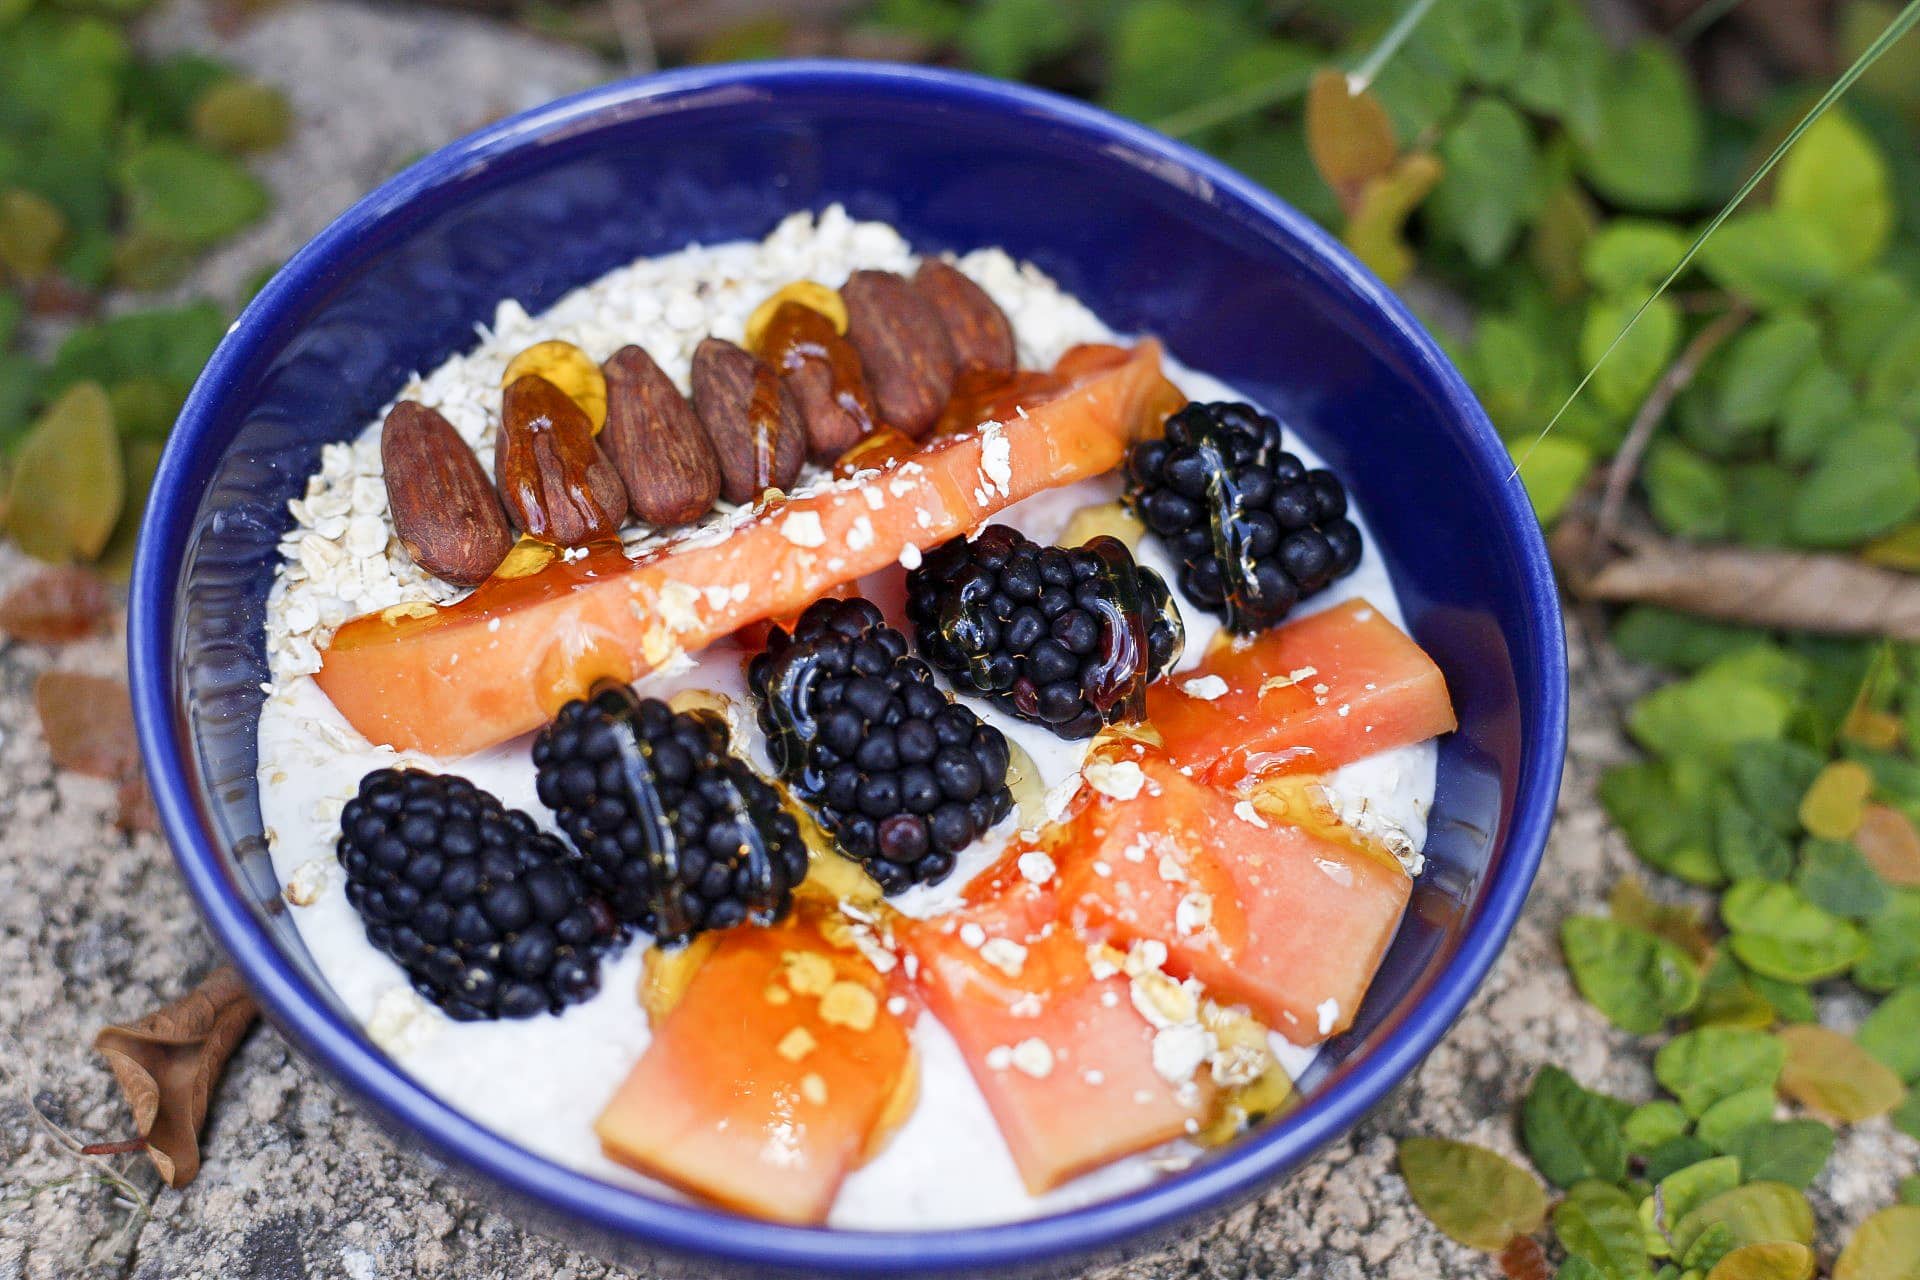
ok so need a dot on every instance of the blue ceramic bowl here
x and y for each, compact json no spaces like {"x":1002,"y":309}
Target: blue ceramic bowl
{"x":1152,"y":235}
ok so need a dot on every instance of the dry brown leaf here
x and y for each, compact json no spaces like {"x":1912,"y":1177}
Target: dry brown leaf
{"x":88,"y":723}
{"x":56,"y":606}
{"x":1524,"y":1259}
{"x":1887,"y":840}
{"x":1782,"y":589}
{"x":168,"y":1062}
{"x":134,"y":810}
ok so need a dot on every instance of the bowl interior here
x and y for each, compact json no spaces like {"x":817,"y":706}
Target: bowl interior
{"x":1152,"y":238}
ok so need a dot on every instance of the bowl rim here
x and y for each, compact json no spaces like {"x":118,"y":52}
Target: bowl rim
{"x":692,"y":1228}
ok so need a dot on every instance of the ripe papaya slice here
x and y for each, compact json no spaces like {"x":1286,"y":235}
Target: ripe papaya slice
{"x":453,"y":680}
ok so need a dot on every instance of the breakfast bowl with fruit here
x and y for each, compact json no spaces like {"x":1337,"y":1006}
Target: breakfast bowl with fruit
{"x":846,"y":670}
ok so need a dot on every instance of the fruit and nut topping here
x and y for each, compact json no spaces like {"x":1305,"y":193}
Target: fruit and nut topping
{"x":556,"y":483}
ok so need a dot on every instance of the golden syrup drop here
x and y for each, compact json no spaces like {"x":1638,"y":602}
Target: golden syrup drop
{"x":808,"y":294}
{"x":666,"y":972}
{"x":1029,"y":792}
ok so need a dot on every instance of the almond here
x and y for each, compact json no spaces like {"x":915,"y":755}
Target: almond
{"x":556,"y":483}
{"x":822,"y":370}
{"x":656,"y":442}
{"x":977,"y":328}
{"x":750,"y":417}
{"x":443,"y":508}
{"x":904,"y":348}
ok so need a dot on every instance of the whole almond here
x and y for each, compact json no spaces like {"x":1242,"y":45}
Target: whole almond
{"x":903,"y":347}
{"x":750,"y":417}
{"x":556,"y":484}
{"x":822,"y":370}
{"x":977,"y":328}
{"x":656,"y":442}
{"x":443,"y":508}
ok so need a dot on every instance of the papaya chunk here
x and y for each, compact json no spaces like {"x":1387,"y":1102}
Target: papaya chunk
{"x":1306,"y":697}
{"x":771,"y":1077}
{"x":453,"y":680}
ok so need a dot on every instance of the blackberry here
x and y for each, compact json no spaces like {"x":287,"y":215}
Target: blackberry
{"x":471,"y":898}
{"x":678,"y":833}
{"x":1067,"y":639}
{"x":1254,"y":530}
{"x":902,"y":777}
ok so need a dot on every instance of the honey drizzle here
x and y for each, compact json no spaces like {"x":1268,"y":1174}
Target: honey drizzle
{"x":798,"y":337}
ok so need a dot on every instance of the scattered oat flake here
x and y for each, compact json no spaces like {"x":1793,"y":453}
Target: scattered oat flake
{"x":1036,"y":866}
{"x":1120,"y":779}
{"x":1329,"y":1013}
{"x":972,"y":934}
{"x":1205,"y":688}
{"x":1033,"y":1057}
{"x":813,"y":1087}
{"x":849,"y":1004}
{"x":796,"y":1044}
{"x":1005,"y":955}
{"x":803,"y":529}
{"x":1245,"y":811}
{"x":909,"y":557}
{"x":55,"y":606}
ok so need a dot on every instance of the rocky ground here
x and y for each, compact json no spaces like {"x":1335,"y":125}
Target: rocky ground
{"x":94,"y":927}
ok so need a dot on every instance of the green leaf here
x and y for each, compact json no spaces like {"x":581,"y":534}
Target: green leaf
{"x":1886,"y":1247}
{"x":1894,"y":373}
{"x":1553,"y":472}
{"x":1757,"y":1213}
{"x":1646,"y":153}
{"x":1374,"y":230}
{"x":188,"y":196}
{"x":1636,"y":980}
{"x":1654,"y":1124}
{"x":1761,"y":364}
{"x":31,"y":229}
{"x":1562,"y":74}
{"x":1818,"y":404}
{"x":1734,"y":1112}
{"x":1906,"y":1116}
{"x":1690,"y":497}
{"x":161,"y":92}
{"x":1775,"y":1260}
{"x":1621,"y":380}
{"x":1910,"y":1189}
{"x":1598,"y":1222}
{"x":1830,"y":1073}
{"x":1791,"y":1001}
{"x":1836,"y":178}
{"x":1771,"y":257}
{"x":1866,"y":482}
{"x":1678,"y":641}
{"x":1729,"y":998}
{"x":1676,"y":1154}
{"x":1572,"y":1133}
{"x":1709,"y":1248}
{"x":1788,"y":1151}
{"x":1865,"y":311}
{"x":170,"y":345}
{"x":1487,"y":189}
{"x":239,"y":116}
{"x":1482,"y":39}
{"x":1164,"y":55}
{"x":1747,"y":846}
{"x":1631,"y":255}
{"x":68,"y":479}
{"x":1711,"y":717}
{"x":1702,"y":1067}
{"x":1835,"y":877}
{"x":1889,"y":1033}
{"x":1684,"y":1190}
{"x":1476,"y":1196}
{"x":1892,"y":955}
{"x":1778,"y":933}
{"x":1668,"y":824}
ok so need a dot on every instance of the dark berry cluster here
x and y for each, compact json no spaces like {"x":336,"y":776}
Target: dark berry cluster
{"x":1255,"y":531}
{"x":1067,"y":639}
{"x":902,"y":777}
{"x":679,"y":834}
{"x":471,"y":898}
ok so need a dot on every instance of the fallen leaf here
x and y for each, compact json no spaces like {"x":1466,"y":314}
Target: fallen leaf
{"x":134,"y":810}
{"x":1787,"y":590}
{"x":55,"y":606}
{"x":88,"y":723}
{"x":1374,"y":228}
{"x":1524,"y":1259}
{"x":1349,"y":136}
{"x":1830,"y":1073}
{"x":168,"y":1062}
{"x":1887,"y":840}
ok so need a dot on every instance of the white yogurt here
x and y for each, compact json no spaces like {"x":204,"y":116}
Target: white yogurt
{"x":541,"y":1082}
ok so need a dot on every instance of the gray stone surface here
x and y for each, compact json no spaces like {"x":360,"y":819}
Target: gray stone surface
{"x":95,"y":927}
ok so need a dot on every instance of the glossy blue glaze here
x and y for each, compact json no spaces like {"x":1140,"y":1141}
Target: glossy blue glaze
{"x":1152,"y":235}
